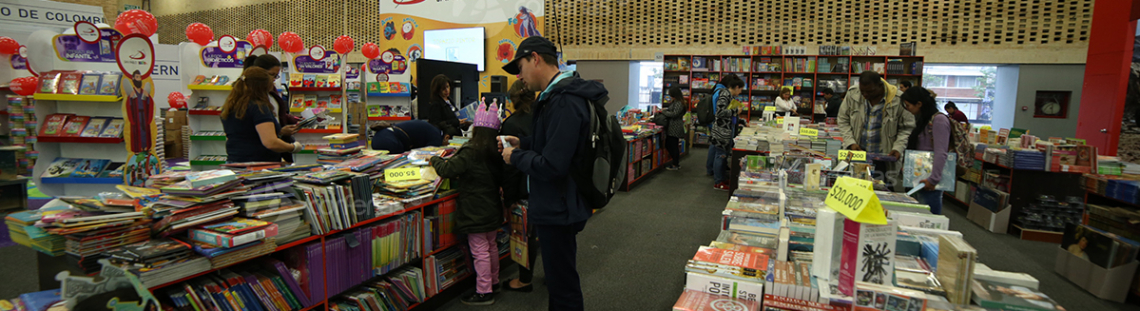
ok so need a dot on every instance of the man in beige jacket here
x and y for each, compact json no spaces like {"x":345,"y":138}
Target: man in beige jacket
{"x":872,"y":119}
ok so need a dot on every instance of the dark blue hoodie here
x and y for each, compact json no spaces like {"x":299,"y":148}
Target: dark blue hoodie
{"x":560,"y":129}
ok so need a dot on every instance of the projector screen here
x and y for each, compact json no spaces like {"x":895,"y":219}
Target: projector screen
{"x":461,"y":45}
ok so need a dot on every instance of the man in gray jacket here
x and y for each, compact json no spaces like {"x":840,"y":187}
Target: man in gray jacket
{"x":872,"y":119}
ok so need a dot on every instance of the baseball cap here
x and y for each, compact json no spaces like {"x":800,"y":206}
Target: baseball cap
{"x":531,"y":44}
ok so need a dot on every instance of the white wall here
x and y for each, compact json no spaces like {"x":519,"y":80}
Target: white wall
{"x":1033,"y":78}
{"x":1005,"y":99}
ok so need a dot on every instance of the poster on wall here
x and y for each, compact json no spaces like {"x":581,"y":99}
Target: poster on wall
{"x":217,"y":57}
{"x":72,"y":48}
{"x":135,"y":56}
{"x":1128,"y":148}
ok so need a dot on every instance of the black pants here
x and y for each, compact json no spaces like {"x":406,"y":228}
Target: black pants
{"x":560,"y":262}
{"x":527,"y":275}
{"x":673,"y":146}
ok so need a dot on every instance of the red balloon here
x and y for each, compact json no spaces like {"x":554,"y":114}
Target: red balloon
{"x":260,"y":37}
{"x":136,"y":21}
{"x":9,"y":46}
{"x":290,"y":42}
{"x":343,"y":44}
{"x":24,"y":85}
{"x":176,"y":100}
{"x":199,"y":33}
{"x":370,"y":50}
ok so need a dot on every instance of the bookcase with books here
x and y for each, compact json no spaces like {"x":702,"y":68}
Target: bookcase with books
{"x":318,"y":97}
{"x":80,"y":141}
{"x":209,"y":81}
{"x":386,"y":99}
{"x":764,"y":75}
{"x":19,"y":113}
{"x":646,"y":156}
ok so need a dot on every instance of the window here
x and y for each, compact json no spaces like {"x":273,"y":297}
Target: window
{"x":649,"y":83}
{"x":937,"y":81}
{"x":966,"y":81}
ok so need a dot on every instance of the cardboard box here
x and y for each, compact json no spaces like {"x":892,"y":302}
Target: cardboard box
{"x":994,"y":222}
{"x":1108,"y":284}
{"x":175,"y":119}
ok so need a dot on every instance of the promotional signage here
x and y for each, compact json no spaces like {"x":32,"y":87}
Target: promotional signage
{"x":330,"y":63}
{"x":353,"y":72}
{"x":136,"y":56}
{"x":73,"y":49}
{"x":852,"y":155}
{"x":216,"y":57}
{"x":87,"y":32}
{"x":855,"y":199}
{"x":396,"y":66}
{"x":402,"y":174}
{"x":48,"y":13}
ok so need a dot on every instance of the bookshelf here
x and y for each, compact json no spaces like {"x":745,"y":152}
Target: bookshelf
{"x":1023,"y":190}
{"x":763,"y":75}
{"x":647,"y":156}
{"x":323,"y":303}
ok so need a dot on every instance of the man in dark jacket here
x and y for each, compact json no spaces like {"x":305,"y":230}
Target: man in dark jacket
{"x":833,"y":103}
{"x":560,"y":129}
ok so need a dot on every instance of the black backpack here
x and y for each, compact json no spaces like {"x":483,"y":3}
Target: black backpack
{"x":604,"y":159}
{"x":706,"y":110}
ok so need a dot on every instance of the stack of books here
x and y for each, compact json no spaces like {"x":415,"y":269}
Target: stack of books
{"x":22,"y":230}
{"x":342,"y":147}
{"x":335,"y":200}
{"x":400,"y":289}
{"x":90,"y":234}
{"x":279,"y":208}
{"x":159,"y":261}
{"x":444,"y":269}
{"x":251,"y":287}
{"x":439,"y":226}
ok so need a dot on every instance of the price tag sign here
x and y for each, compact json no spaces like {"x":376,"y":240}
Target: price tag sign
{"x":769,"y":108}
{"x":779,"y":120}
{"x":855,"y":199}
{"x":402,"y":174}
{"x":809,"y":132}
{"x":852,"y":155}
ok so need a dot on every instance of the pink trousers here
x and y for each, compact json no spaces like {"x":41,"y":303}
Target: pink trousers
{"x":485,"y":252}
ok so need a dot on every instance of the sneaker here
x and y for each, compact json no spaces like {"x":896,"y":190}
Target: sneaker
{"x":721,"y":186}
{"x":673,"y":168}
{"x":478,"y":300}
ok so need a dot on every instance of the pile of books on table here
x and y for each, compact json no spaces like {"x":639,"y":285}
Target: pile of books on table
{"x":22,"y":229}
{"x":342,"y":147}
{"x":159,"y":261}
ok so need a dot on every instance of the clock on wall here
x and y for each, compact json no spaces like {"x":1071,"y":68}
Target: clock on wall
{"x":1051,"y":104}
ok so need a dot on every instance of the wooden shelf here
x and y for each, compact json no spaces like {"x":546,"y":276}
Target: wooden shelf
{"x":318,"y":131}
{"x":78,"y":98}
{"x":202,"y":112}
{"x":194,"y":87}
{"x":389,"y":118}
{"x":82,"y":180}
{"x":82,"y":140}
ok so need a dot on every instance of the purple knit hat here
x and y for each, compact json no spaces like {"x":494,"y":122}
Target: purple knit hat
{"x":487,"y":117}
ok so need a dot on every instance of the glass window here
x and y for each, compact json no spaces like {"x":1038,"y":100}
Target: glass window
{"x":937,"y":81}
{"x":649,"y":84}
{"x":966,"y":81}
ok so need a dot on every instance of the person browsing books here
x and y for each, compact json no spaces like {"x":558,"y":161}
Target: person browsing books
{"x":441,"y":111}
{"x":476,"y":170}
{"x":514,"y":184}
{"x":932,"y":133}
{"x":784,"y":104}
{"x":675,"y":126}
{"x":250,"y":123}
{"x":288,"y":123}
{"x":561,"y":128}
{"x":872,"y":119}
{"x":401,"y":137}
{"x":833,"y":102}
{"x":723,"y":129}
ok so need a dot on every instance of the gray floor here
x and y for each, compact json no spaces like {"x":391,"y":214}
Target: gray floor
{"x":631,"y":256}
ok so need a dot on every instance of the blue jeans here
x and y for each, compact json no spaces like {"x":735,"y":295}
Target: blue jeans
{"x":933,"y":198}
{"x":720,"y":159}
{"x":709,"y":162}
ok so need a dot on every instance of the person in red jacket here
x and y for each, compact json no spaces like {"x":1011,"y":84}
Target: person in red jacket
{"x":957,"y":115}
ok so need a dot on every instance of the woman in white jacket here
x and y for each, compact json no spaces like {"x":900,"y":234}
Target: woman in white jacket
{"x":784,"y":103}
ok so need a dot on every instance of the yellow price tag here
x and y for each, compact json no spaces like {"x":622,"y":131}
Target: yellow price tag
{"x":855,"y":199}
{"x":779,"y":120}
{"x":770,"y":108}
{"x":809,"y":132}
{"x":852,"y":155}
{"x":402,"y":174}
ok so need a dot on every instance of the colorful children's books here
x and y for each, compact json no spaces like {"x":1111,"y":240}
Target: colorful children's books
{"x":61,"y":167}
{"x":918,"y":166}
{"x":69,"y":82}
{"x":372,"y":87}
{"x":333,"y":81}
{"x":295,"y":79}
{"x":222,"y":80}
{"x":49,"y":81}
{"x":90,"y":167}
{"x":53,"y":124}
{"x":113,"y":129}
{"x":296,"y":102}
{"x":335,"y":102}
{"x":90,"y":84}
{"x":75,"y":125}
{"x":309,"y":80}
{"x":110,"y":85}
{"x":323,"y":102}
{"x":111,"y":167}
{"x":212,"y":81}
{"x":322,"y":81}
{"x":198,"y":80}
{"x":94,"y":127}
{"x":310,"y":101}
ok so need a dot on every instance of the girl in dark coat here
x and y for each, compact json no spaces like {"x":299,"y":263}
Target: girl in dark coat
{"x":476,"y":170}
